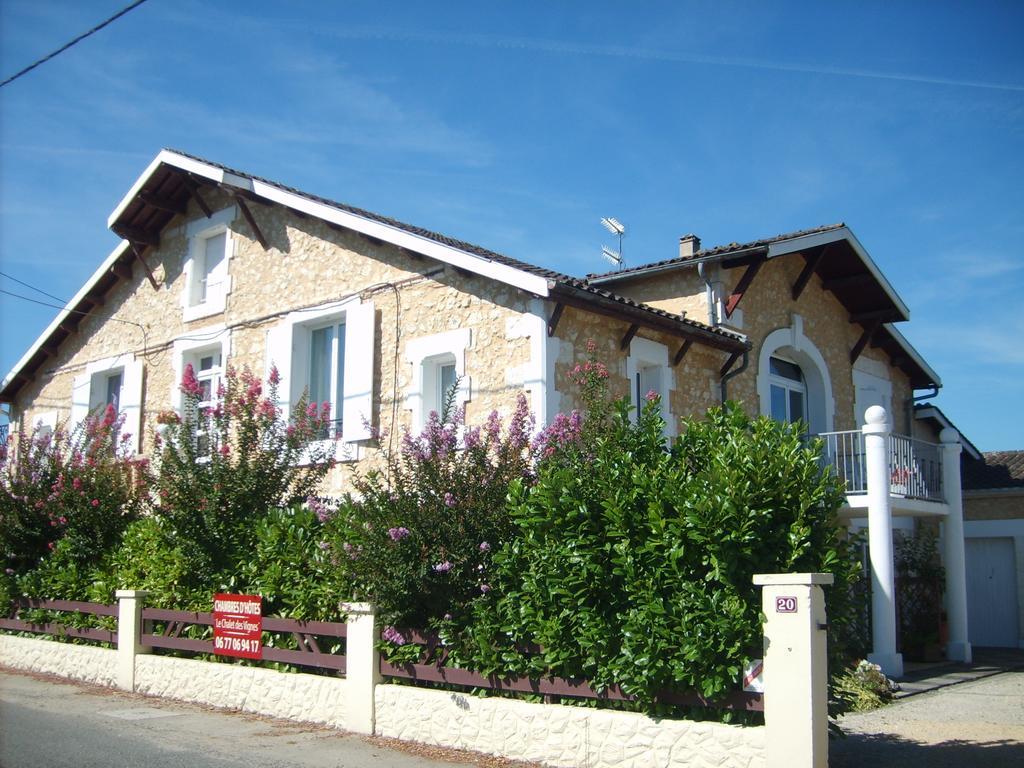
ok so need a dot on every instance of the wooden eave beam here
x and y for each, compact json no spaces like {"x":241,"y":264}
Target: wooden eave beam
{"x":729,"y":363}
{"x":244,"y":207}
{"x":162,"y":203}
{"x":869,"y":330}
{"x":848,"y":281}
{"x":193,"y":190}
{"x":808,"y":270}
{"x":875,"y":314}
{"x":149,"y":273}
{"x":742,"y":287}
{"x":556,"y":315}
{"x":138,"y":236}
{"x":122,"y":270}
{"x":629,"y":335}
{"x":683,"y":349}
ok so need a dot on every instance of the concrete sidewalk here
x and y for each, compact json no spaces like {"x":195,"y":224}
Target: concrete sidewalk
{"x":921,"y":678}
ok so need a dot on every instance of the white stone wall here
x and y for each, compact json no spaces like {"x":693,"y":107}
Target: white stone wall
{"x":308,"y":698}
{"x":562,"y":736}
{"x":77,"y":662}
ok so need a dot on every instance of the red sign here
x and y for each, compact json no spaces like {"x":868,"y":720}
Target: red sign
{"x":238,"y":626}
{"x":785,"y":605}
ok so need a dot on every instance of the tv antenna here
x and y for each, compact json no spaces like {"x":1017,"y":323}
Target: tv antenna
{"x":615,"y":227}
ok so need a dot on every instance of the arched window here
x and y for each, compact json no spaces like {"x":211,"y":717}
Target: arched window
{"x":788,"y":391}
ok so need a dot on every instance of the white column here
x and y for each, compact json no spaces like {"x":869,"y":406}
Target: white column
{"x":958,"y":648}
{"x":129,"y":635}
{"x":362,"y":666}
{"x":883,"y":593}
{"x":795,"y":669}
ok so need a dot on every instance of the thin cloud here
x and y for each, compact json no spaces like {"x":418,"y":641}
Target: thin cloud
{"x":650,"y":54}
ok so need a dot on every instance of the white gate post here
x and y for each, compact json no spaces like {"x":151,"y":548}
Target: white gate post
{"x":883,"y":588}
{"x":362,"y":666}
{"x":795,"y":669}
{"x":958,"y":648}
{"x":129,"y":635}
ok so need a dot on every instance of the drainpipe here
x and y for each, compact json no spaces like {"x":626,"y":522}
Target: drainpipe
{"x":710,"y":291}
{"x":731,"y":374}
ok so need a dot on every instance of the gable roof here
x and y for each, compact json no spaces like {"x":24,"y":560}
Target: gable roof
{"x":997,"y":470}
{"x":173,"y":178}
{"x":835,"y":254}
{"x":929,"y":412}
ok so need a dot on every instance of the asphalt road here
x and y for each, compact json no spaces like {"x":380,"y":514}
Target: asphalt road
{"x":980,"y":723}
{"x":46,"y":723}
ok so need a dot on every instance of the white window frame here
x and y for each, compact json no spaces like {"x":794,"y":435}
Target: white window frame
{"x":643,"y":354}
{"x":288,"y":348}
{"x":197,"y":233}
{"x":791,"y":343}
{"x":789,"y":385}
{"x":89,"y":392}
{"x":191,"y":348}
{"x":426,"y":355}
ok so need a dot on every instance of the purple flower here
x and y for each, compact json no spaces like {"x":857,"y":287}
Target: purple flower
{"x":449,"y":500}
{"x":9,"y":571}
{"x":485,"y":588}
{"x":324,"y":545}
{"x":472,"y":438}
{"x":485,"y":547}
{"x":443,"y":567}
{"x":392,"y":635}
{"x":397,"y":534}
{"x":321,"y":510}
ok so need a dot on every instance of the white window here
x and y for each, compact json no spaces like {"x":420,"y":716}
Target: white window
{"x":788,"y":391}
{"x":207,"y":282}
{"x":438,"y":374}
{"x":115,"y":381}
{"x":207,"y":351}
{"x":328,"y":354}
{"x":648,"y":371}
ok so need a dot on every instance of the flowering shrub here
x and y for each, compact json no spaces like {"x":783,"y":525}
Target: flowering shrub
{"x":631,"y":564}
{"x":416,"y":538}
{"x":220,"y":470}
{"x":864,"y":687}
{"x":65,"y":502}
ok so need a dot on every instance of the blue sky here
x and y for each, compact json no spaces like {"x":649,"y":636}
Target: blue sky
{"x":519,"y":125}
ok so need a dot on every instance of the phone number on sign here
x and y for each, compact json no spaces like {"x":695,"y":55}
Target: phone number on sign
{"x":235,"y":644}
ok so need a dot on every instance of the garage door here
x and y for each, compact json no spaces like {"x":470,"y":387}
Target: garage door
{"x":991,"y":592}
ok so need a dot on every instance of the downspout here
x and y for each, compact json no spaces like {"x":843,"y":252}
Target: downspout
{"x":710,"y":292}
{"x":912,"y":401}
{"x":731,"y":374}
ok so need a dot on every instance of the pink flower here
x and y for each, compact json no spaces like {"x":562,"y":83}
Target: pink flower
{"x":95,"y":502}
{"x":275,"y":376}
{"x":224,"y":450}
{"x":443,"y":567}
{"x":77,"y":483}
{"x":189,"y":382}
{"x":485,"y":588}
{"x":449,"y":500}
{"x":392,"y":635}
{"x":485,"y":547}
{"x":651,"y":395}
{"x":591,"y":346}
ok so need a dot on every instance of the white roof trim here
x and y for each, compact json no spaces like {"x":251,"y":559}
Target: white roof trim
{"x":63,"y":314}
{"x":912,"y":353}
{"x":795,"y":244}
{"x":386,"y":232}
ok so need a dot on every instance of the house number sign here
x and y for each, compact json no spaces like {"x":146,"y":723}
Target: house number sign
{"x":785,"y":604}
{"x":238,"y":626}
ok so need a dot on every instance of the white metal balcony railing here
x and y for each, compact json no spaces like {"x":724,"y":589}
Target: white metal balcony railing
{"x":915,"y":467}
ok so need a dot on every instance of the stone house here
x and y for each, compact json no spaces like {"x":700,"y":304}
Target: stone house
{"x":380,"y":318}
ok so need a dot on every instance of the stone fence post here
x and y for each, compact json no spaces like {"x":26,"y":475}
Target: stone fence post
{"x":795,"y":669}
{"x":362,"y":666}
{"x":129,"y":635}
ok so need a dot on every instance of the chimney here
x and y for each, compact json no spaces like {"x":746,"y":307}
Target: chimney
{"x":688,"y":245}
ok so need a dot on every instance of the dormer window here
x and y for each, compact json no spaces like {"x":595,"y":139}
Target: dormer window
{"x":207,"y":281}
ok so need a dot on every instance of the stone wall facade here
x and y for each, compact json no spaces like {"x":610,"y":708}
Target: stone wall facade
{"x":994,"y":505}
{"x":86,"y":663}
{"x":560,"y":735}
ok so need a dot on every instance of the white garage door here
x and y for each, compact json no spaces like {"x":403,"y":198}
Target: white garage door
{"x":991,"y":592}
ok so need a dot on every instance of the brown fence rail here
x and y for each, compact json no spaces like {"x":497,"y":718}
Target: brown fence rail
{"x":305,"y":633}
{"x":56,"y":628}
{"x":549,"y":686}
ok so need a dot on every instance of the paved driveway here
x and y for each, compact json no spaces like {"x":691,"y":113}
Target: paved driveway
{"x":980,"y":723}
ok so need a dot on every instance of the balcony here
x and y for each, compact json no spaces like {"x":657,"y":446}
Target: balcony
{"x":915,"y":466}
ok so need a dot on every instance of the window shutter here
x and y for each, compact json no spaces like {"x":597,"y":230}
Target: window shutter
{"x":131,"y":403}
{"x":279,"y":353}
{"x":357,"y":411}
{"x":79,"y":400}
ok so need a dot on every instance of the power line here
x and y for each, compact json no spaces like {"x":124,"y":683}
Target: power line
{"x":78,"y":39}
{"x":145,"y":336}
{"x":32,"y":287}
